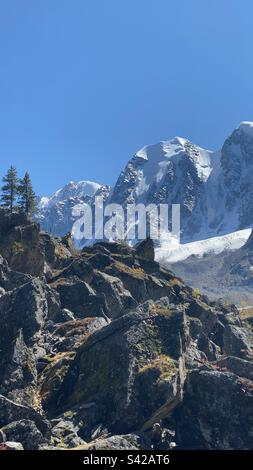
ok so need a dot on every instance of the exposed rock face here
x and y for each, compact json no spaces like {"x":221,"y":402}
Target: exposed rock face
{"x":105,"y":349}
{"x":217,"y":406}
{"x":214,"y":189}
{"x":10,"y":412}
{"x":11,"y":446}
{"x":141,"y":354}
{"x":23,"y":313}
{"x":145,"y":249}
{"x":125,"y":442}
{"x":56,"y":214}
{"x":26,"y":431}
{"x":20,"y":244}
{"x":236,"y":164}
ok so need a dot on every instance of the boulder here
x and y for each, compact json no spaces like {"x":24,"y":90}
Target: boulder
{"x":118,"y":299}
{"x":238,"y":366}
{"x":11,"y":411}
{"x":52,"y":378}
{"x":124,"y":442}
{"x":23,"y":308}
{"x":23,"y":313}
{"x":78,"y":267}
{"x":20,"y":246}
{"x":24,"y":432}
{"x":238,"y":341}
{"x":11,"y":446}
{"x":216,"y":413}
{"x":69,"y":336}
{"x":19,"y":377}
{"x":56,"y":254}
{"x":65,"y":434}
{"x":79,"y":297}
{"x":145,"y":249}
{"x":132,"y":368}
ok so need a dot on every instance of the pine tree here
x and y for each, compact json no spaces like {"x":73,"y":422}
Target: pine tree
{"x":10,"y":189}
{"x":27,"y":196}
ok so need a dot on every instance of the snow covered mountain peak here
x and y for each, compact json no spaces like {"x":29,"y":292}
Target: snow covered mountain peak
{"x":168,"y":147}
{"x":160,"y":156}
{"x":247,"y":127}
{"x":214,"y":189}
{"x":71,"y":189}
{"x":171,"y":171}
{"x":55,"y":213}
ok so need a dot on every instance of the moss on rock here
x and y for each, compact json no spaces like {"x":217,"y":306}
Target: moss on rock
{"x":52,"y":378}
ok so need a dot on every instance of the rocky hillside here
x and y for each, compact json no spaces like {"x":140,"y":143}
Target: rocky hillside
{"x":106,"y":349}
{"x":228,"y":274}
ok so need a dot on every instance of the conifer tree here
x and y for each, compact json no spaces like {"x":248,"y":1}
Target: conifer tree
{"x":10,"y":189}
{"x":27,"y":196}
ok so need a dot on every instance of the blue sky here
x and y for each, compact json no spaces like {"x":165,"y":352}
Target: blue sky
{"x":86,"y":83}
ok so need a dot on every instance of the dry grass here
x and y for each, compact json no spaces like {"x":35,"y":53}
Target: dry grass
{"x":59,"y":282}
{"x":123,"y":268}
{"x":74,"y":327}
{"x":176,"y":282}
{"x":160,"y":310}
{"x":166,"y":366}
{"x":37,"y":405}
{"x":196,"y":293}
{"x":17,"y":248}
{"x":57,"y":357}
{"x":61,"y":251}
{"x":246,"y":313}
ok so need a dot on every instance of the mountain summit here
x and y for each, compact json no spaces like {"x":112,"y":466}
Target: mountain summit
{"x":214,"y":189}
{"x":55,"y":213}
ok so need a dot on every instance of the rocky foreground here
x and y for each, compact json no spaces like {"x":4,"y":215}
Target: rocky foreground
{"x":106,"y":349}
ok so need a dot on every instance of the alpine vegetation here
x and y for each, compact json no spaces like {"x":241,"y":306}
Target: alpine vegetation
{"x":10,"y":189}
{"x":18,"y":194}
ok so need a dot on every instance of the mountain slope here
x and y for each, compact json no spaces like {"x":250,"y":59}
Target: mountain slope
{"x":226,"y":273}
{"x":171,"y":251}
{"x":172,"y":172}
{"x":55,"y":214}
{"x":106,"y":349}
{"x":214,"y":189}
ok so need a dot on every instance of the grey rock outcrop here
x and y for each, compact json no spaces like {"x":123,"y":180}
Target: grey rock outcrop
{"x":106,"y":349}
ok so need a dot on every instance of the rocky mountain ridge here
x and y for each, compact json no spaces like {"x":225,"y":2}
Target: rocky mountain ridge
{"x":214,"y":189}
{"x":106,"y":349}
{"x":57,"y":214}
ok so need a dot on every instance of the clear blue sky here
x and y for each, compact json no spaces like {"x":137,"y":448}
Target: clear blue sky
{"x":86,"y":83}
